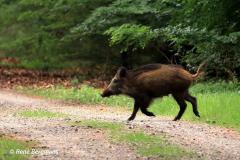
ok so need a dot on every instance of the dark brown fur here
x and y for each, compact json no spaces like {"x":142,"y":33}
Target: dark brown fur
{"x":152,"y":81}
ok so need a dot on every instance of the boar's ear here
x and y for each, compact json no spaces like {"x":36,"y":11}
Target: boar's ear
{"x":122,"y":72}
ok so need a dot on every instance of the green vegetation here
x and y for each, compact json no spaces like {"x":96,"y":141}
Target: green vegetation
{"x":9,"y":147}
{"x":215,"y":108}
{"x":145,"y":144}
{"x":40,"y":113}
{"x":111,"y":32}
{"x":86,"y":94}
{"x":218,"y":102}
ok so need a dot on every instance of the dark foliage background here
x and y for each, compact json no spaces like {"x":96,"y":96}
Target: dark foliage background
{"x":104,"y":34}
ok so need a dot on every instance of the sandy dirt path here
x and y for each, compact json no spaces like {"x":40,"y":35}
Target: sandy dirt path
{"x":210,"y":142}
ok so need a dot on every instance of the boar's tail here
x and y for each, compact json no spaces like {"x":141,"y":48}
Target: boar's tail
{"x":199,"y":71}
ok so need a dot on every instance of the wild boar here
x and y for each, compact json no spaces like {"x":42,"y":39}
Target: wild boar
{"x":152,"y":81}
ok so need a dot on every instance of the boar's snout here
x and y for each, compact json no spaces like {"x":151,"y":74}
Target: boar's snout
{"x":106,"y":93}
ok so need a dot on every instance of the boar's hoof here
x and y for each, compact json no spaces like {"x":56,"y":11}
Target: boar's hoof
{"x":196,"y":113}
{"x":131,"y":118}
{"x":176,"y":119}
{"x":150,"y":114}
{"x":147,"y":113}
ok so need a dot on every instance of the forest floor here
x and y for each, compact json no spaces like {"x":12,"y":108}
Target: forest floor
{"x":82,"y":142}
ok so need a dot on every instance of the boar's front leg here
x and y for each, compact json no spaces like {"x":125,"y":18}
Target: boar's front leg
{"x":135,"y":110}
{"x":145,"y":104}
{"x":146,"y":112}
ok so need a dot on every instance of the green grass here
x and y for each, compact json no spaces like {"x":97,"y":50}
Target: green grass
{"x":215,"y":108}
{"x":218,"y":102}
{"x":86,"y":94}
{"x":40,"y":113}
{"x":9,"y":147}
{"x":143,"y":143}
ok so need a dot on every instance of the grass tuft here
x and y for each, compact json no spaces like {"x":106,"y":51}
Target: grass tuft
{"x":143,"y":143}
{"x":40,"y":113}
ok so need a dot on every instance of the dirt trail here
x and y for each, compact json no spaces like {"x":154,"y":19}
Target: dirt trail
{"x":210,"y":142}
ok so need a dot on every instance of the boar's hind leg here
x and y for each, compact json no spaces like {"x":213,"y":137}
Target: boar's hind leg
{"x":193,"y":101}
{"x":135,"y":110}
{"x":182,"y":104}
